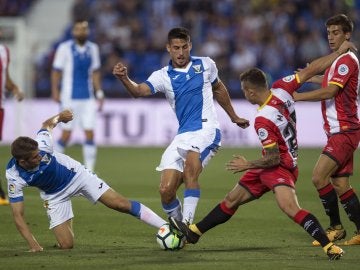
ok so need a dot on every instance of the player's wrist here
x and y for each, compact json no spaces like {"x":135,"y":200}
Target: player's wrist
{"x":99,"y":94}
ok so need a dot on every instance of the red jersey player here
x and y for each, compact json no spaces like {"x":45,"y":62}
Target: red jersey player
{"x":338,"y":95}
{"x":276,"y":170}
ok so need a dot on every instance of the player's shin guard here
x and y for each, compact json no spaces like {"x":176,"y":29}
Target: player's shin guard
{"x":329,"y":200}
{"x":312,"y":226}
{"x":89,"y":154}
{"x":191,"y":199}
{"x":145,"y":214}
{"x":220,"y":214}
{"x":351,"y":205}
{"x":173,"y":209}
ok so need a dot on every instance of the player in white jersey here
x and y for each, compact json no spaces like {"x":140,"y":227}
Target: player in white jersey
{"x":59,"y":177}
{"x":339,"y":103}
{"x":6,"y":84}
{"x":189,"y":84}
{"x":276,"y":170}
{"x":76,"y":68}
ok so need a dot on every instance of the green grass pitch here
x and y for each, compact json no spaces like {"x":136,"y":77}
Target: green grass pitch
{"x":259,"y":236}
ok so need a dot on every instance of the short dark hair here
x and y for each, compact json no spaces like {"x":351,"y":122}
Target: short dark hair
{"x":22,"y":147}
{"x":341,"y":19}
{"x":254,"y":76}
{"x":180,"y":33}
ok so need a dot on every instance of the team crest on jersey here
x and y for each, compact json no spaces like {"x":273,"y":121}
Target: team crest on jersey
{"x":262,"y":133}
{"x":46,"y":159}
{"x":343,"y":69}
{"x":11,"y":189}
{"x":289,"y":78}
{"x":197,"y":68}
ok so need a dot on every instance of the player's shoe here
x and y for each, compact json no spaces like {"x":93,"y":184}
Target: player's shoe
{"x":334,"y":234}
{"x":333,"y":252}
{"x":191,"y":237}
{"x":355,"y":240}
{"x":4,"y":201}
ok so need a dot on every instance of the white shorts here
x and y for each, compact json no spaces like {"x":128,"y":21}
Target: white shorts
{"x":84,"y":114}
{"x":58,"y":205}
{"x":204,"y":141}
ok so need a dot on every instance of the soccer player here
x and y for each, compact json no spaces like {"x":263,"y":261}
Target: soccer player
{"x":338,"y":95}
{"x":6,"y":84}
{"x":76,"y":65}
{"x":189,"y":84}
{"x":59,"y":177}
{"x":276,"y":170}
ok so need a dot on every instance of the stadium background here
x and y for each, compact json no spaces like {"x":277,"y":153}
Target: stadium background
{"x":277,"y":36}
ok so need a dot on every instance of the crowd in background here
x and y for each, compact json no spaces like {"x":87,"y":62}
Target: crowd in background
{"x":277,"y":36}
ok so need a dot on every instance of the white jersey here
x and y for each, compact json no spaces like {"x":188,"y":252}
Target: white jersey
{"x":77,"y":64}
{"x":54,"y":174}
{"x":189,"y":92}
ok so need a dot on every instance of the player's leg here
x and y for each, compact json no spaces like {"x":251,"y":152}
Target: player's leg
{"x":170,"y":181}
{"x":115,"y":201}
{"x":87,"y":119}
{"x":64,"y":234}
{"x":62,"y":143}
{"x":287,"y":201}
{"x":3,"y":199}
{"x":324,"y":168}
{"x":221,"y":213}
{"x":192,"y":170}
{"x":89,"y":150}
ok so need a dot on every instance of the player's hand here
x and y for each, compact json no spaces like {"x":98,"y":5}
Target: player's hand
{"x":237,"y":164}
{"x":36,"y":248}
{"x":66,"y":116}
{"x":120,"y":71}
{"x":19,"y":95}
{"x":241,"y":122}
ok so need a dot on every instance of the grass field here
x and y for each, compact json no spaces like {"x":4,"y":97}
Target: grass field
{"x":259,"y":236}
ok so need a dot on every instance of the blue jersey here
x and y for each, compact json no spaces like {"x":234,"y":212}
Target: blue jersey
{"x":53,"y":175}
{"x":77,"y":64}
{"x":189,"y":92}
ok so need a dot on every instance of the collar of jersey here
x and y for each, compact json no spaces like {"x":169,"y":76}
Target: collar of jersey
{"x":172,"y":68}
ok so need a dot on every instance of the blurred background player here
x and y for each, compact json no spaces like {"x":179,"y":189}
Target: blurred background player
{"x":59,"y":177}
{"x":76,"y":65}
{"x":6,"y":84}
{"x":276,"y":170}
{"x":189,"y":84}
{"x":339,"y":106}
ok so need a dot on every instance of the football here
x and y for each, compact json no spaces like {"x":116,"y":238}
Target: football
{"x":169,"y":239}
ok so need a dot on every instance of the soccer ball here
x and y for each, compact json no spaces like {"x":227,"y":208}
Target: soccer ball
{"x":169,"y":239}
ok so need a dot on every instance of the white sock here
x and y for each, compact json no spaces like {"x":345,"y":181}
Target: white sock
{"x":89,"y":155}
{"x":191,"y":199}
{"x":173,"y":209}
{"x":145,"y":214}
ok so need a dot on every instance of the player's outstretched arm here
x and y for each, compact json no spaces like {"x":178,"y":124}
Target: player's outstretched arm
{"x":222,"y":97}
{"x":134,"y":89}
{"x":64,"y":117}
{"x":23,"y":228}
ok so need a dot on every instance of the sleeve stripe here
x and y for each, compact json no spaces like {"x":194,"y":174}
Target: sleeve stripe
{"x":336,"y":83}
{"x":269,"y":145}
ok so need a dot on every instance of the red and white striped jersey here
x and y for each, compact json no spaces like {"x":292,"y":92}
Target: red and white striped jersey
{"x":4,"y":63}
{"x":340,"y":113}
{"x":275,"y":121}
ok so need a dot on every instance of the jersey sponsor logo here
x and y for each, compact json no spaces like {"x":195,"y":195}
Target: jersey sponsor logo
{"x":11,"y":189}
{"x":343,"y":69}
{"x":262,"y":133}
{"x":288,"y":78}
{"x":175,"y":77}
{"x":197,"y":68}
